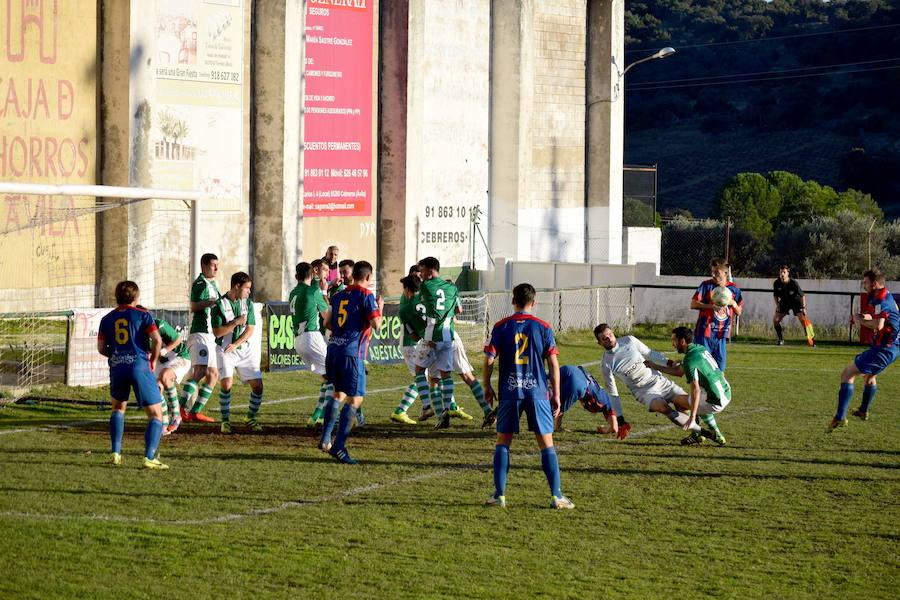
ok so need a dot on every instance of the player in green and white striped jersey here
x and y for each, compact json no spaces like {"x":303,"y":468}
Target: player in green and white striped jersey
{"x":307,"y":304}
{"x":201,"y":342}
{"x":174,"y":364}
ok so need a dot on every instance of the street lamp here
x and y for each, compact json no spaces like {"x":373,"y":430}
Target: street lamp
{"x":661,"y":53}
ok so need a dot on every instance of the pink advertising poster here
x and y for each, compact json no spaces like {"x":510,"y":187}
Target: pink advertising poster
{"x":338,"y":109}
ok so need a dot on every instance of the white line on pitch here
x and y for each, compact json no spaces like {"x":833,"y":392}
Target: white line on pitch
{"x":340,"y":495}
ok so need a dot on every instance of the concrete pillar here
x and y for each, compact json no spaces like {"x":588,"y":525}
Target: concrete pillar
{"x":277,"y":161}
{"x":112,"y":259}
{"x":512,"y":85}
{"x":604,"y":131}
{"x":393,"y":209}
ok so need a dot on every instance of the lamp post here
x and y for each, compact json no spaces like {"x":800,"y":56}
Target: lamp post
{"x":661,"y":53}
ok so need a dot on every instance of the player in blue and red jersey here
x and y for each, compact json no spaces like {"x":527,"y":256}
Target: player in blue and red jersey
{"x":885,"y":320}
{"x":714,"y":322}
{"x":129,"y":337}
{"x":354,"y":312}
{"x":577,"y":385}
{"x":522,"y":343}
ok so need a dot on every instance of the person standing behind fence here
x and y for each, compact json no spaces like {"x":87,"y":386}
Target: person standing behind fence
{"x":714,"y":322}
{"x":789,"y":297}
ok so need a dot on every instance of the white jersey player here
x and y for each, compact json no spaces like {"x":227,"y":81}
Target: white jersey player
{"x":625,"y":359}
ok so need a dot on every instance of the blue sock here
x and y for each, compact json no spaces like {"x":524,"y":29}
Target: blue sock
{"x":329,"y":418}
{"x":116,"y":429}
{"x":501,"y":468}
{"x":550,"y":464}
{"x":844,"y":398}
{"x":151,"y":437}
{"x":868,"y":396}
{"x":344,"y":425}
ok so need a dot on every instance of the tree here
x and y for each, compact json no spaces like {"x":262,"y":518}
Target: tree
{"x":752,"y":203}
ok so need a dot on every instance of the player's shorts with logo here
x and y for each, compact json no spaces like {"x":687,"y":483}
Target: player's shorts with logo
{"x":179,"y":364}
{"x":537,"y":412}
{"x":241,"y":360}
{"x":715,"y":346}
{"x":203,"y":349}
{"x":346,"y":373}
{"x":876,"y":359}
{"x":661,"y":388}
{"x":142,"y":380}
{"x":311,"y":347}
{"x":712,"y":405}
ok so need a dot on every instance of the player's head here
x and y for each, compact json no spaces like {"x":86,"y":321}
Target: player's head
{"x":681,"y":337}
{"x":209,"y":265}
{"x":784,"y":273}
{"x":362,"y":272}
{"x":319,"y":268}
{"x":345,"y":267}
{"x":429,"y":267}
{"x":127,"y":292}
{"x":303,"y":272}
{"x":523,"y":296}
{"x":240,"y":285}
{"x":873,"y":279}
{"x":718,"y":268}
{"x":605,"y":336}
{"x":410,"y":285}
{"x":332,"y":254}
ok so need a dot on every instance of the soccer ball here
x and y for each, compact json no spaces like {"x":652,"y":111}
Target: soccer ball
{"x":722,"y":296}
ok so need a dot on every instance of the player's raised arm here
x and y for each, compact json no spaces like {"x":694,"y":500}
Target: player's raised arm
{"x":653,"y":355}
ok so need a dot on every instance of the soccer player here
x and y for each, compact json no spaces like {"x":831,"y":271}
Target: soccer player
{"x":353,"y":314}
{"x":412,"y":317}
{"x":174,"y":364}
{"x":789,"y":297}
{"x":440,"y":299}
{"x":320,"y":275}
{"x":233,"y":321}
{"x":129,"y":338}
{"x":629,"y":359}
{"x":714,"y":322}
{"x":577,"y":385}
{"x":307,"y":304}
{"x":344,"y":278}
{"x":884,"y":320}
{"x":522,"y":342}
{"x":710,"y":391}
{"x":201,"y":343}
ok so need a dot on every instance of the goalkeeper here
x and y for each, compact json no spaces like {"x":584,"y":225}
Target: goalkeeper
{"x":789,"y":297}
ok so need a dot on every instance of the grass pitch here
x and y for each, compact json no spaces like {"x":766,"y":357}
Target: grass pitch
{"x":783,"y":511}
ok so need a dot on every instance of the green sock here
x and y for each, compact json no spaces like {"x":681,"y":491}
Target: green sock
{"x":409,"y":396}
{"x":165,"y":412}
{"x":710,"y":421}
{"x":225,"y":405}
{"x":187,"y":394}
{"x":478,"y":392}
{"x":171,"y":396}
{"x":255,"y":403}
{"x":202,"y":398}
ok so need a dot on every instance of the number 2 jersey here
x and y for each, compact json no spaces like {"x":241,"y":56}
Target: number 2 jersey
{"x":126,"y":330}
{"x":522,"y":342}
{"x":351,"y":310}
{"x":440,"y":298}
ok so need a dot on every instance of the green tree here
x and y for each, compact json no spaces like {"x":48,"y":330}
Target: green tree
{"x":752,"y":203}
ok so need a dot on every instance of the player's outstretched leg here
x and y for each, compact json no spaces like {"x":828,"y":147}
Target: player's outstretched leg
{"x":868,"y":395}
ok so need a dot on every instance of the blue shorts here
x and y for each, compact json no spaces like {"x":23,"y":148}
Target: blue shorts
{"x":346,"y":373}
{"x":716,"y":347}
{"x":537,"y":410}
{"x":142,"y":381}
{"x":875,"y":360}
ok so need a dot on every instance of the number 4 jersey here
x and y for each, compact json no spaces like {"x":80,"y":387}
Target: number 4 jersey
{"x":522,"y":342}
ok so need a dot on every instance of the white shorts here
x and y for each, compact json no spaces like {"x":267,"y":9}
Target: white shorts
{"x":663,"y":388}
{"x":179,"y":364}
{"x":203,"y":349}
{"x":435,"y":358}
{"x":710,"y":409}
{"x":240,"y":360}
{"x":408,"y":352}
{"x":311,"y":347}
{"x":461,"y":362}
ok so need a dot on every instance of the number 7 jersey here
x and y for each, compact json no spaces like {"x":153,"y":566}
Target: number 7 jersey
{"x":521,"y":342}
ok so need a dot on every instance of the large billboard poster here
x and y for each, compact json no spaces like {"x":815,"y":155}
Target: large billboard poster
{"x":187,"y":97}
{"x":48,"y":134}
{"x":337,"y":121}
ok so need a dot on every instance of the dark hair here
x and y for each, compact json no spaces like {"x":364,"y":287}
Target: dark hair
{"x":874,"y":275}
{"x":718,"y":263}
{"x":523,"y":294}
{"x":684,"y":333}
{"x":126,"y":292}
{"x":302,"y":270}
{"x":600,"y":329}
{"x":784,"y":268}
{"x":239,"y":278}
{"x":430,"y":262}
{"x":346,"y":263}
{"x":208,"y":258}
{"x":361,"y":270}
{"x":317,"y":263}
{"x":411,"y":283}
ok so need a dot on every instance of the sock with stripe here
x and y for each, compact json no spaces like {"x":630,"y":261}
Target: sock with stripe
{"x":478,"y":392}
{"x":225,"y":405}
{"x":345,"y":424}
{"x":710,"y":421}
{"x":409,"y":396}
{"x":422,"y":388}
{"x":501,"y":469}
{"x":550,"y":464}
{"x":255,"y":403}
{"x":187,"y":394}
{"x":324,"y":394}
{"x":116,"y":430}
{"x":845,"y":395}
{"x":202,"y":398}
{"x":868,"y":396}
{"x":447,"y":393}
{"x":437,"y":401}
{"x":164,"y":405}
{"x":329,"y":418}
{"x":151,"y":437}
{"x":171,"y":396}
